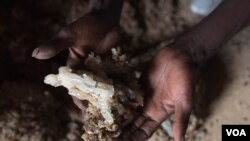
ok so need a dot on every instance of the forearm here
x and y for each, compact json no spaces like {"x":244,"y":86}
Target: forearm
{"x":111,"y":7}
{"x":205,"y":39}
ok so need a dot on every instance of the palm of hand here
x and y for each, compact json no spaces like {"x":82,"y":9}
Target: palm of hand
{"x":169,"y":85}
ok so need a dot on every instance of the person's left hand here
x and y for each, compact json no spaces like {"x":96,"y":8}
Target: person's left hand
{"x":169,"y":87}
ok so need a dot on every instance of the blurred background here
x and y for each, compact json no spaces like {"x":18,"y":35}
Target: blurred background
{"x":32,"y":111}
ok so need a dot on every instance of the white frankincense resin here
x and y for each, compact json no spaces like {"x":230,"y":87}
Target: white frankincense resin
{"x":109,"y":106}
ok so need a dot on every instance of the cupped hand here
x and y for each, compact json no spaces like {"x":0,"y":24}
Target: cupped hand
{"x":96,"y":32}
{"x":169,"y":88}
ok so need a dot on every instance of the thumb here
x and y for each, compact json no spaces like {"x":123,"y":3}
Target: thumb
{"x":182,"y":113}
{"x":61,"y":41}
{"x":112,"y":39}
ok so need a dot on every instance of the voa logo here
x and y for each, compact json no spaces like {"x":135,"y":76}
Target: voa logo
{"x":236,"y":132}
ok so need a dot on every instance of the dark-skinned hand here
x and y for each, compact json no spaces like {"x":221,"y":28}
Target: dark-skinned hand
{"x":169,"y":83}
{"x":96,"y":32}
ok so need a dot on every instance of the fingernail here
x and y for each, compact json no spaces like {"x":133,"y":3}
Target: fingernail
{"x":35,"y":52}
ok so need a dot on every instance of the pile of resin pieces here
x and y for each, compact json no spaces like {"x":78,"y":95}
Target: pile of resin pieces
{"x":111,"y":102}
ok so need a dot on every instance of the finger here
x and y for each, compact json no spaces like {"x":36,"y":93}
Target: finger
{"x":112,"y":39}
{"x":63,"y":40}
{"x":146,"y":124}
{"x":75,"y":58}
{"x":133,"y":126}
{"x":145,"y":130}
{"x":141,"y":129}
{"x":182,"y":113}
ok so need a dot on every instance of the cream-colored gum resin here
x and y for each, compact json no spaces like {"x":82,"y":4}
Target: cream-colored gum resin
{"x":86,"y":87}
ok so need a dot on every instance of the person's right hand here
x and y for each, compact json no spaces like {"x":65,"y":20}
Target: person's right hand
{"x":96,"y":32}
{"x":92,"y":32}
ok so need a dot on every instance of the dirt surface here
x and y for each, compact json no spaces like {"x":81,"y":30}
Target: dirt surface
{"x":228,"y":88}
{"x":32,"y":111}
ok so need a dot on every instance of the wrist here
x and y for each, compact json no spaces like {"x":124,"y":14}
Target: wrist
{"x":198,"y":48}
{"x":202,"y":41}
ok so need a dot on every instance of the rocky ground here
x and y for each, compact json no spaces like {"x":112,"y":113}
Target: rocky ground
{"x":32,"y":111}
